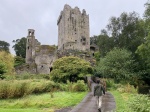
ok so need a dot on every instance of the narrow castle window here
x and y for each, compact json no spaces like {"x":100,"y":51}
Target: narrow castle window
{"x":28,"y":47}
{"x":29,"y":33}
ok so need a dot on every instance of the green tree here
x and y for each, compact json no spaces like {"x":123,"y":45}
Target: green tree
{"x":19,"y":61}
{"x":4,"y":46}
{"x":144,"y":52}
{"x":20,"y":47}
{"x":93,"y":40}
{"x":117,"y":64}
{"x":105,"y":43}
{"x":7,"y":61}
{"x":127,"y":31}
{"x":70,"y":68}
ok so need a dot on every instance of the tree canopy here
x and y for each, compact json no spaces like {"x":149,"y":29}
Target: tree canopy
{"x":4,"y":46}
{"x":117,"y":64}
{"x":20,"y":47}
{"x":127,"y":31}
{"x":70,"y":68}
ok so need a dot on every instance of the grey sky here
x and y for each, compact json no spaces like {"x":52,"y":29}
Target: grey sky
{"x":17,"y":16}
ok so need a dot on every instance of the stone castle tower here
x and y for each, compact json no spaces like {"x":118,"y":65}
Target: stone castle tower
{"x":73,"y":29}
{"x":73,"y":39}
{"x":30,"y":46}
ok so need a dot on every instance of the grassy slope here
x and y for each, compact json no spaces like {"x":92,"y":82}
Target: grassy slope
{"x":42,"y":102}
{"x":121,"y":101}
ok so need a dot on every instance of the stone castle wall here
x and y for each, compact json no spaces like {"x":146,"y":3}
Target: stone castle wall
{"x":73,"y":29}
{"x":73,"y":40}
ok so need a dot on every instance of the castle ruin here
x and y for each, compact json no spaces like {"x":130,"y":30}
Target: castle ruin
{"x":73,"y":39}
{"x":73,"y":29}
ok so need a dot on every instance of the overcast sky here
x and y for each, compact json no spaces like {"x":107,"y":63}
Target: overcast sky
{"x":17,"y":16}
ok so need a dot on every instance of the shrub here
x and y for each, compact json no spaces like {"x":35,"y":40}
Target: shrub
{"x":140,"y":103}
{"x":143,"y":89}
{"x":127,"y":89}
{"x":13,"y":89}
{"x":110,"y":84}
{"x":70,"y":68}
{"x":2,"y":70}
{"x":79,"y":86}
{"x":20,"y":88}
{"x":7,"y":59}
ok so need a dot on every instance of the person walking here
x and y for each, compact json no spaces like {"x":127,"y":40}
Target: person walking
{"x":98,"y":92}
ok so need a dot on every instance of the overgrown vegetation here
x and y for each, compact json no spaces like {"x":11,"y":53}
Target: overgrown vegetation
{"x":131,"y":102}
{"x":6,"y":63}
{"x":70,"y":68}
{"x":20,"y":88}
{"x":124,"y":48}
{"x":42,"y":102}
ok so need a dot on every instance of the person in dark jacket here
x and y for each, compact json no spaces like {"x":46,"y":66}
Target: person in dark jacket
{"x":98,"y":92}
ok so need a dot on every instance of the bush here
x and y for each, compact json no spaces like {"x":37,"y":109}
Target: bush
{"x":31,"y":76}
{"x":144,"y":89}
{"x":8,"y":60}
{"x":13,"y":89}
{"x":2,"y":70}
{"x":20,"y":88}
{"x":110,"y":84}
{"x":79,"y":86}
{"x":70,"y":68}
{"x":127,"y":89}
{"x":140,"y":103}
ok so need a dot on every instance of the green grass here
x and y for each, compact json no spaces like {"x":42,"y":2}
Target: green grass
{"x":42,"y":103}
{"x":121,"y":101}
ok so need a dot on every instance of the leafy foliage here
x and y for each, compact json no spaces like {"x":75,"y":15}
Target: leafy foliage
{"x":144,"y":53}
{"x":20,"y":47}
{"x":4,"y":46}
{"x":117,"y":64}
{"x":70,"y":68}
{"x":2,"y":70}
{"x":105,"y":44}
{"x":127,"y":31}
{"x":19,"y":61}
{"x":7,"y":61}
{"x":140,"y":103}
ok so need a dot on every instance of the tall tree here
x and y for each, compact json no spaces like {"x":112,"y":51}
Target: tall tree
{"x":20,"y":47}
{"x":4,"y":46}
{"x":127,"y":31}
{"x":104,"y":42}
{"x":117,"y":64}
